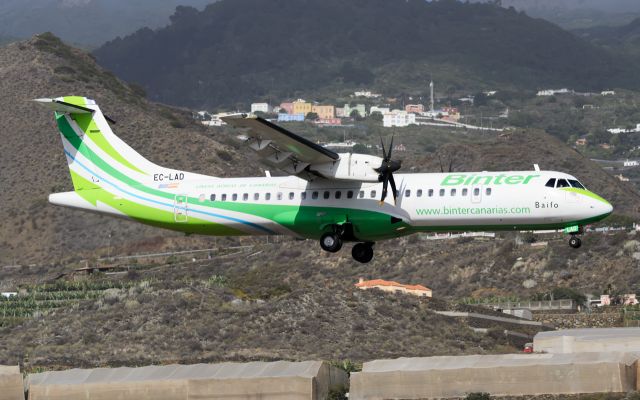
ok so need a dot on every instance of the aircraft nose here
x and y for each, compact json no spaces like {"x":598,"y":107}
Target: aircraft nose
{"x":602,"y":207}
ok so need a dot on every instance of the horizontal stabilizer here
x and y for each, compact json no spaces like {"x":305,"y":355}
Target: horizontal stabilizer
{"x":64,"y":107}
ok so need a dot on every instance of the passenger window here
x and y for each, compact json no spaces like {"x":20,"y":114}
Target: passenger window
{"x":441,"y":192}
{"x":562,"y":183}
{"x":361,"y":194}
{"x":551,"y":183}
{"x":350,"y":194}
{"x":453,"y":192}
{"x":326,"y":194}
{"x":314,"y":195}
{"x":291,"y":195}
{"x":576,"y":184}
{"x":256,"y":196}
{"x":419,"y":193}
{"x":373,"y":194}
{"x":279,"y":195}
{"x":465,"y":191}
{"x":338,"y":194}
{"x":488,"y":191}
{"x":430,"y":192}
{"x":303,"y":195}
{"x":234,"y":196}
{"x":407,"y":193}
{"x":245,"y":196}
{"x":476,"y":191}
{"x":213,"y":197}
{"x":224,"y":197}
{"x":267,"y":196}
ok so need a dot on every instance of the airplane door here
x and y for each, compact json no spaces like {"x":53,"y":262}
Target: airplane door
{"x":476,"y":194}
{"x":180,"y":208}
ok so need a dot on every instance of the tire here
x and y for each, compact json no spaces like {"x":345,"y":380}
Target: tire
{"x":362,"y":252}
{"x":330,"y":242}
{"x":575,"y":242}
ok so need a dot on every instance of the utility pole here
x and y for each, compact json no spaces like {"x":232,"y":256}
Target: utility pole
{"x":432,"y":108}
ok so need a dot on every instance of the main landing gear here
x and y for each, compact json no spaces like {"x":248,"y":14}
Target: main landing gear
{"x":575,"y":242}
{"x":362,"y":252}
{"x":332,"y":242}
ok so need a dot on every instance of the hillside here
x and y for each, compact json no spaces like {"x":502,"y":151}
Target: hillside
{"x":575,"y":14}
{"x":235,"y":51}
{"x":251,"y":298}
{"x":33,"y":164}
{"x":88,"y":23}
{"x":623,"y":39}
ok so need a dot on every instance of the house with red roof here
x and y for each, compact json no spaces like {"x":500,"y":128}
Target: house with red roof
{"x":394,"y":287}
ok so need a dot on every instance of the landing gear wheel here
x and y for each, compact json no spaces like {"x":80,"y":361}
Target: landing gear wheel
{"x":575,"y":242}
{"x":330,"y":242}
{"x":362,"y":252}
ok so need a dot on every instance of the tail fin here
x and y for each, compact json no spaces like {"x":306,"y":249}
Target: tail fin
{"x":91,"y":147}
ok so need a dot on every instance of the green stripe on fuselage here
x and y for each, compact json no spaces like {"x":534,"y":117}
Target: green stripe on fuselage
{"x":90,"y":128}
{"x":154,"y":216}
{"x":586,"y":193}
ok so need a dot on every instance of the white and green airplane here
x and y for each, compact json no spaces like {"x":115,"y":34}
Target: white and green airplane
{"x":327,"y":196}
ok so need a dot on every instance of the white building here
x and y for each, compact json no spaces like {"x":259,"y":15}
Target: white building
{"x":624,"y":130}
{"x":398,"y":118}
{"x":551,"y":92}
{"x":607,"y":93}
{"x":381,"y":110}
{"x":261,"y":107}
{"x":366,"y":93}
{"x":631,"y":163}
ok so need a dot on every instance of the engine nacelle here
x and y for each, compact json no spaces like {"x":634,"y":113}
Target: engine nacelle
{"x":357,"y":167}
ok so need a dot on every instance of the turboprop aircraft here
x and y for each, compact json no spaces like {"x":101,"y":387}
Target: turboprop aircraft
{"x":326,"y":196}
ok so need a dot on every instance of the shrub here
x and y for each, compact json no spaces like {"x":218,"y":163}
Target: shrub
{"x":478,"y":396}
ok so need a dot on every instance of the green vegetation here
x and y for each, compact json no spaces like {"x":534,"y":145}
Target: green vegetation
{"x":559,"y":293}
{"x":478,"y":396}
{"x":325,"y":52}
{"x":38,"y":300}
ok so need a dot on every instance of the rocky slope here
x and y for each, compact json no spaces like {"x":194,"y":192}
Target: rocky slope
{"x":33,"y":164}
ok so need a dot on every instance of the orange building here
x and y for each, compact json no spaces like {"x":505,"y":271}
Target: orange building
{"x":393,"y":287}
{"x":324,"y":112}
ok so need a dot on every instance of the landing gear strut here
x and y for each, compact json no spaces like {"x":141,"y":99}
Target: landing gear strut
{"x":575,"y":242}
{"x":362,"y":252}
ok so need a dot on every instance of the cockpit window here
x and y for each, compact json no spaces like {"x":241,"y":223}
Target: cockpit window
{"x":562,"y":183}
{"x":551,"y":183}
{"x":576,"y":184}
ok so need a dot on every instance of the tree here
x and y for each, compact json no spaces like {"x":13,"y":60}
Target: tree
{"x":480,"y":99}
{"x":311,"y":116}
{"x":360,"y":149}
{"x":376,"y":116}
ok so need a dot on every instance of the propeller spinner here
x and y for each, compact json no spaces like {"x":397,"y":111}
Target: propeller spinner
{"x":386,"y":170}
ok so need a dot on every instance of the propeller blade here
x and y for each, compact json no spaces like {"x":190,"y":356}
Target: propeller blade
{"x":391,"y":146}
{"x":393,"y":188}
{"x":385,"y":182}
{"x":384,"y":154}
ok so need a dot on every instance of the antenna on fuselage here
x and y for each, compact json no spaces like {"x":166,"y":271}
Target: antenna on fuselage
{"x":536,"y":167}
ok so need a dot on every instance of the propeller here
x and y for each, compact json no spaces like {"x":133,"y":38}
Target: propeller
{"x":386,"y":170}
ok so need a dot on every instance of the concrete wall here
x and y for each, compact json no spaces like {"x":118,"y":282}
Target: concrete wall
{"x":310,"y":380}
{"x":588,"y":340}
{"x":500,"y":375}
{"x":11,"y":385}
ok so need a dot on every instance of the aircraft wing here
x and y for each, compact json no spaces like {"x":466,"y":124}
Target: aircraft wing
{"x":280,"y":148}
